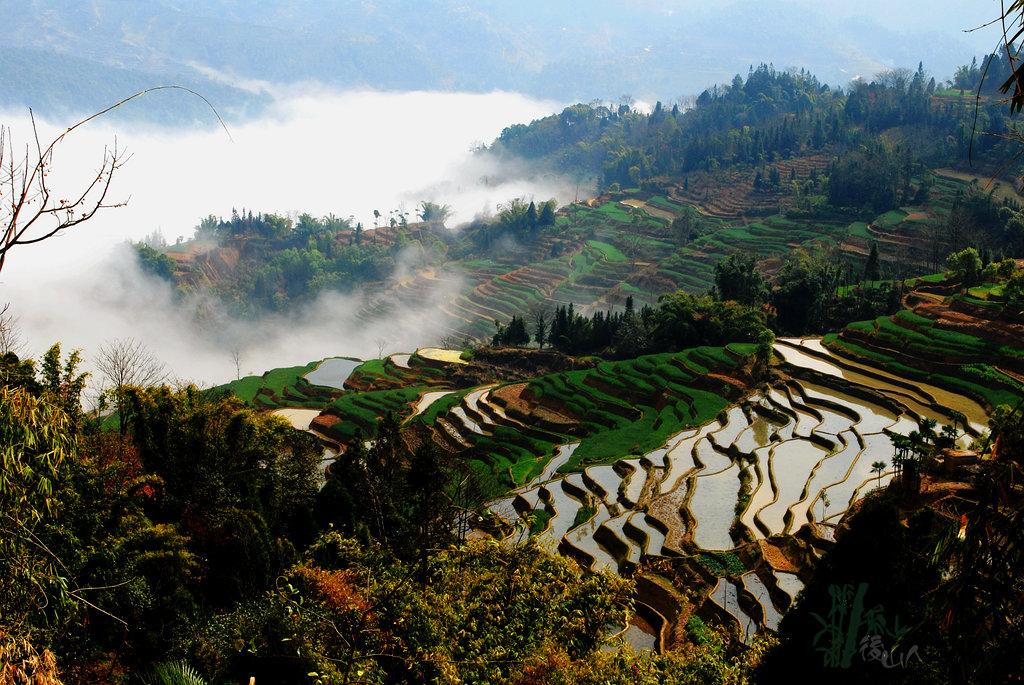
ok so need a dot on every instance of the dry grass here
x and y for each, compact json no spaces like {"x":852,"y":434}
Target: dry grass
{"x":22,"y":664}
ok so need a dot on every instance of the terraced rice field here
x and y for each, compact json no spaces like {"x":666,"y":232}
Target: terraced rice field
{"x":799,"y":444}
{"x":631,"y":460}
{"x":603,"y":251}
{"x":797,"y":454}
{"x":332,"y":373}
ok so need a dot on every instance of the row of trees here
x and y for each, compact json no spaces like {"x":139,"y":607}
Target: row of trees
{"x":806,"y":295}
{"x":773,"y":115}
{"x":680,"y":321}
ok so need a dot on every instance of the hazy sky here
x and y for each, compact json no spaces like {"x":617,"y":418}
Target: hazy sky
{"x":944,"y":16}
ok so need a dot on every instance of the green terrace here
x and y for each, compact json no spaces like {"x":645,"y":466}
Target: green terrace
{"x":632,"y":406}
{"x":281,"y":388}
{"x":363,"y":410}
{"x":913,"y":347}
{"x":593,"y":255}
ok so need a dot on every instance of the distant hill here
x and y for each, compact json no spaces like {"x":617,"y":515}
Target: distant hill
{"x":778,"y":167}
{"x":62,"y":85}
{"x":91,"y":52}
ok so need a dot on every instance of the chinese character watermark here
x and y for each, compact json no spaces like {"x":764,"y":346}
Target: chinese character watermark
{"x":851,"y":628}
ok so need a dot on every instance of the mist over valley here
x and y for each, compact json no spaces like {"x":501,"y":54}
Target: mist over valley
{"x":462,"y":342}
{"x":316,"y":151}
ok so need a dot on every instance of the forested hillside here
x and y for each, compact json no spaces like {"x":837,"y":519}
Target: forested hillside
{"x":751,"y":413}
{"x":821,"y":187}
{"x":904,"y":119}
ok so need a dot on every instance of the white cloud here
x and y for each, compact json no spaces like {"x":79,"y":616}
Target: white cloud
{"x":316,"y":151}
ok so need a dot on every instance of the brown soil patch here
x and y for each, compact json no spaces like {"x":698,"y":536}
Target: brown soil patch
{"x":666,"y":509}
{"x":776,"y":558}
{"x":736,"y":383}
{"x":510,"y":396}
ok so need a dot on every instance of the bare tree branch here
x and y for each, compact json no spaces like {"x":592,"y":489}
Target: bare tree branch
{"x":236,"y":357}
{"x":29,"y":210}
{"x":127,"y":361}
{"x":11,"y":339}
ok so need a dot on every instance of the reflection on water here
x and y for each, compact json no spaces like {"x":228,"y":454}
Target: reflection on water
{"x":469,"y":423}
{"x":755,"y":587}
{"x":616,"y":524}
{"x":608,"y":480}
{"x":791,"y":462}
{"x":789,"y":582}
{"x":757,"y":434}
{"x":427,"y":399}
{"x":655,"y":538}
{"x":725,"y":595}
{"x":440,"y":355}
{"x":565,"y":513}
{"x":916,"y":398}
{"x":640,"y":637}
{"x":713,"y":504}
{"x":637,"y":481}
{"x":582,"y":537}
{"x":332,"y":373}
{"x":299,"y":418}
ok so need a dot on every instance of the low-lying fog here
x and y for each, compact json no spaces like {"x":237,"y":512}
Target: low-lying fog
{"x":322,"y":153}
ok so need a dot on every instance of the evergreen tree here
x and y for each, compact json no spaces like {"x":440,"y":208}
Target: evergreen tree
{"x":737,"y":278}
{"x":540,"y":330}
{"x":872,"y":270}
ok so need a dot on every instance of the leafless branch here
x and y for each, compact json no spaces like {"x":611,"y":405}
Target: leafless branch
{"x":127,"y":361}
{"x":30,"y":212}
{"x":11,"y":339}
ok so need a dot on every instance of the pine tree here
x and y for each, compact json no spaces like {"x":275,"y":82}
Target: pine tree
{"x":872,"y":270}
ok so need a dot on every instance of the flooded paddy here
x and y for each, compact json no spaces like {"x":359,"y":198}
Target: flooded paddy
{"x":757,"y":588}
{"x":726,"y":596}
{"x":791,"y":463}
{"x":332,"y":373}
{"x":809,"y":455}
{"x":713,"y":503}
{"x":441,"y":355}
{"x":655,"y":538}
{"x":637,"y":480}
{"x":299,"y":418}
{"x":427,"y":399}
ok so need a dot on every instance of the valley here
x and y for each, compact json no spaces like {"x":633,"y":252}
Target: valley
{"x":748,"y":408}
{"x":678,"y":464}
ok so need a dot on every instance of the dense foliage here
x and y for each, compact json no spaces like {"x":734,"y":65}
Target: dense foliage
{"x":680,"y":321}
{"x":186,"y":544}
{"x":879,"y":134}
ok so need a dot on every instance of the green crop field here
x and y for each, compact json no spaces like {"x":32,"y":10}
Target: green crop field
{"x":279,"y":387}
{"x":610,"y":252}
